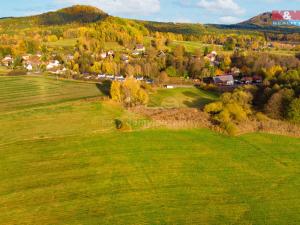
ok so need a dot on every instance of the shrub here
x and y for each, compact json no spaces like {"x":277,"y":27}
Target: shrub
{"x":17,"y":72}
{"x":277,"y":105}
{"x":122,"y":126}
{"x":261,"y":117}
{"x":230,"y":128}
{"x":232,"y":108}
{"x":294,"y":110}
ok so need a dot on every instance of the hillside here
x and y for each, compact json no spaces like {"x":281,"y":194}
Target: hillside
{"x":74,"y":14}
{"x":264,"y":19}
{"x":77,"y":13}
{"x":261,"y":23}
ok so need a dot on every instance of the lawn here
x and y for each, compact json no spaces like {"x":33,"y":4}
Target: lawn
{"x":28,"y":91}
{"x":115,"y":46}
{"x":63,"y":162}
{"x":181,"y":98}
{"x":63,"y":43}
{"x":191,"y":46}
{"x":72,"y":42}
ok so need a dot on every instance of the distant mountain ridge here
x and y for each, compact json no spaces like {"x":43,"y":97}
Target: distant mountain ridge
{"x":264,"y":19}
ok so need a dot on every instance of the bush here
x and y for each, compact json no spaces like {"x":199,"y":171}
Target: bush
{"x":122,"y":126}
{"x":232,"y":108}
{"x":17,"y":72}
{"x":294,"y":110}
{"x":230,"y":128}
{"x":277,"y":105}
{"x":261,"y":117}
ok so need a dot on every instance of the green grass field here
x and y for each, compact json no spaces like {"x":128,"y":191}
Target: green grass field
{"x":28,"y":91}
{"x":63,"y":162}
{"x":63,"y":43}
{"x":67,"y":43}
{"x":181,"y":98}
{"x":191,"y":46}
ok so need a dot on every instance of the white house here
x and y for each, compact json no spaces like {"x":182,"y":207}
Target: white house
{"x":136,"y":53}
{"x":140,"y":48}
{"x":7,"y":60}
{"x":110,"y":53}
{"x":103,"y":55}
{"x":53,"y":64}
{"x":29,"y":67}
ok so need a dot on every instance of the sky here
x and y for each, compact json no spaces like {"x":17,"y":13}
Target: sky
{"x":196,"y":11}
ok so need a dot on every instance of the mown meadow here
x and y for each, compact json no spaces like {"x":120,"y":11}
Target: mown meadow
{"x":63,"y":162}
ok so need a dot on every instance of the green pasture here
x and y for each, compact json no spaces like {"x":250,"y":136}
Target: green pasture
{"x":28,"y":91}
{"x":181,"y":97}
{"x":63,"y":162}
{"x":191,"y":46}
{"x":63,"y":43}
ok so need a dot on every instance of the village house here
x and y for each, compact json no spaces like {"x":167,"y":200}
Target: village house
{"x":101,"y":76}
{"x":28,"y":67}
{"x":25,"y":57}
{"x":212,"y":58}
{"x":103,"y":55}
{"x":140,"y":78}
{"x":140,"y":48}
{"x":226,"y":80}
{"x":161,"y":54}
{"x":52,"y":64}
{"x":70,"y":57}
{"x":136,"y":53}
{"x":125,"y":58}
{"x":110,"y":53}
{"x":235,"y":71}
{"x":31,"y":62}
{"x":7,"y":61}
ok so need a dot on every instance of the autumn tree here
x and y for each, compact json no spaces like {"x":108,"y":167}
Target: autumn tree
{"x":130,"y":92}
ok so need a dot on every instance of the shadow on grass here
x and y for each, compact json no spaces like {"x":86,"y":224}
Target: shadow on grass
{"x":104,"y":87}
{"x":198,"y":103}
{"x":198,"y":100}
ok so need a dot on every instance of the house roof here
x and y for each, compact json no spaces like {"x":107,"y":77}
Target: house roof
{"x":140,"y":46}
{"x":223,"y":78}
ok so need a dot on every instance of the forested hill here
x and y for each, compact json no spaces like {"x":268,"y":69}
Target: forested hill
{"x":77,"y":13}
{"x":261,"y":22}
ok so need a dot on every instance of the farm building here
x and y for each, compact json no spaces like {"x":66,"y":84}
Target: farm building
{"x":226,"y":80}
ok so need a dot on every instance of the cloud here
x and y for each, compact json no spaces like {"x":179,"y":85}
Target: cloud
{"x":229,"y":20}
{"x":121,"y":6}
{"x":221,"y":6}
